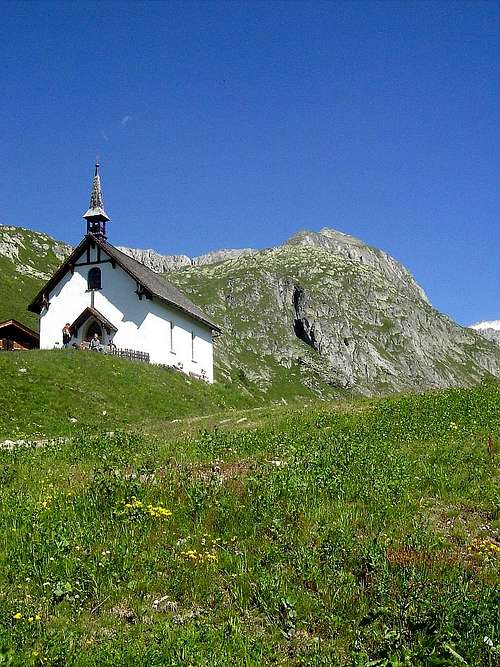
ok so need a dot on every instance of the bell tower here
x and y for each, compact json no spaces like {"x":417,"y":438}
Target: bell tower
{"x":96,"y":216}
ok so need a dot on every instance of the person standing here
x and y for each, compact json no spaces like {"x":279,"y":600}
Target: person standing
{"x":66,"y":334}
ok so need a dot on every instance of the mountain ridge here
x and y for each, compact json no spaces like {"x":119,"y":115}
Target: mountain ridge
{"x":324,"y":308}
{"x":165,"y":263}
{"x":351,"y":319}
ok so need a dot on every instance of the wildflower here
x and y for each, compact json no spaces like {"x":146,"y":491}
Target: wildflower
{"x":484,"y":547}
{"x":198,"y":557}
{"x":211,"y":558}
{"x":30,"y":619}
{"x":38,"y":617}
{"x":158,"y":512}
{"x":128,"y":508}
{"x":18,"y":616}
{"x":136,"y":507}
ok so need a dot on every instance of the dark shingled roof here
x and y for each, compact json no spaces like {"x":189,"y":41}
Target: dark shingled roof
{"x":150,"y":281}
{"x":92,"y":312}
{"x":156,"y":284}
{"x":21,"y":327}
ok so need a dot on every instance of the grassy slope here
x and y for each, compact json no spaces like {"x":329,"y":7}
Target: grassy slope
{"x":58,"y":386}
{"x":320,"y":537}
{"x":36,"y":253}
{"x":17,"y":290}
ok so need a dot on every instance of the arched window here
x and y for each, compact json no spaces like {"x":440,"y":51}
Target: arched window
{"x":94,"y":278}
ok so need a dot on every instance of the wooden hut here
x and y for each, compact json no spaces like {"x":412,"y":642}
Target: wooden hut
{"x":16,"y":336}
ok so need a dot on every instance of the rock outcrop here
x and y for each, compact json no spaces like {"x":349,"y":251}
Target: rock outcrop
{"x":167,"y":263}
{"x":27,"y":259}
{"x":157,"y":262}
{"x":339,"y":313}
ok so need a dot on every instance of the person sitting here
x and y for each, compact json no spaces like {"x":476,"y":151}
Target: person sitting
{"x":95,"y":343}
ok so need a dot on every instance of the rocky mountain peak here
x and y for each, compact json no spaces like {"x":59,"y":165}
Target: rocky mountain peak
{"x":325,"y":238}
{"x":490,"y":324}
{"x":356,"y":250}
{"x":489,"y":329}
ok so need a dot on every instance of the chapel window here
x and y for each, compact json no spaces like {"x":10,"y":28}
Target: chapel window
{"x":193,"y":339}
{"x":94,"y":278}
{"x":171,"y":336}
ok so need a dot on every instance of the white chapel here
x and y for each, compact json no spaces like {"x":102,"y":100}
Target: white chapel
{"x":99,"y":289}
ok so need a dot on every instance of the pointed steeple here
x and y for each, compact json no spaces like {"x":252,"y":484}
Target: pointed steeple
{"x":96,"y":216}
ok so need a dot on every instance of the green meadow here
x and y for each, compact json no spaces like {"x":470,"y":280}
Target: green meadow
{"x":361,"y":533}
{"x":59,"y":392}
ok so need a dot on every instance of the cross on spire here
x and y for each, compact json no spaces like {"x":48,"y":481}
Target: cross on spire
{"x":96,"y":216}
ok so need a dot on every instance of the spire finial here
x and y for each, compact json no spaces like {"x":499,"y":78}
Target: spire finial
{"x":96,"y":216}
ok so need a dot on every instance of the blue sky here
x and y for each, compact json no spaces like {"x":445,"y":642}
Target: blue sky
{"x":237,"y":124}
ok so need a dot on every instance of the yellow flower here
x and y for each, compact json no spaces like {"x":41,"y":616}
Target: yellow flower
{"x":38,"y":617}
{"x":158,"y":512}
{"x":211,"y":558}
{"x":18,"y":616}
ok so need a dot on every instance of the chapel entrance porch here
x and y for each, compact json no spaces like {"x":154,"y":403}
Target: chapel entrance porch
{"x":91,"y":322}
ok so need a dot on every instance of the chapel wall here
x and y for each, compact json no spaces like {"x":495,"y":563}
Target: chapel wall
{"x":142,"y":324}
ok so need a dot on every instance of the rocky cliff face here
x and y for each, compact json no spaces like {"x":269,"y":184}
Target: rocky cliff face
{"x":155,"y":261}
{"x":32,"y":254}
{"x":339,"y":313}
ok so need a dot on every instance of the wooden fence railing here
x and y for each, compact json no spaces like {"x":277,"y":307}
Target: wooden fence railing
{"x":133,"y":355}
